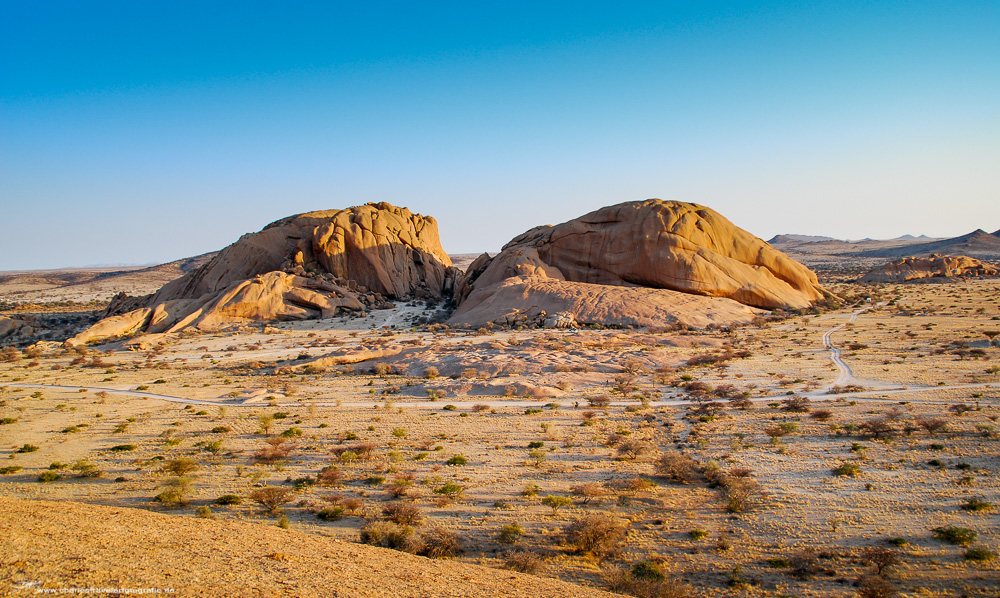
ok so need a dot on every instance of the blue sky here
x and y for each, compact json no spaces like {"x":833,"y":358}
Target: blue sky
{"x":144,"y":132}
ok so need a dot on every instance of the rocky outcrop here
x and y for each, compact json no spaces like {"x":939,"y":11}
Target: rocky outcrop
{"x":935,"y":266}
{"x":379,"y":247}
{"x":636,"y":262}
{"x":313,"y":265}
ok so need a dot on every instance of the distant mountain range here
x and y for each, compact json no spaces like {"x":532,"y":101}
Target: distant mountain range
{"x":978,"y":244}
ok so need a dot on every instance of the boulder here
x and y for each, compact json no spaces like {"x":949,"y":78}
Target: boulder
{"x":934,"y":266}
{"x":636,"y":262}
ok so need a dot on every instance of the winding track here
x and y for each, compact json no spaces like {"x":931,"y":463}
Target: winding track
{"x":845,"y":377}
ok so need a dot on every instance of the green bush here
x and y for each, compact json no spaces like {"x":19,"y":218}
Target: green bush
{"x":536,"y":444}
{"x":331,"y":513}
{"x":291,"y":432}
{"x":962,"y":536}
{"x":457,"y":460}
{"x":27,"y":448}
{"x":7,"y":420}
{"x":510,"y":534}
{"x":647,"y":570}
{"x":10,"y":469}
{"x":698,"y":534}
{"x":976,"y":504}
{"x":221,"y":430}
{"x":49,"y":476}
{"x":847,"y":469}
{"x":450,"y":489}
{"x":229,"y":499}
{"x":556,"y":502}
{"x":120,"y":448}
{"x":979,"y":554}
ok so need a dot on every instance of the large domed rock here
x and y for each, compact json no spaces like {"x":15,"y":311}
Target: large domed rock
{"x":676,"y":248}
{"x":308,"y":266}
{"x":381,"y":247}
{"x":935,"y":266}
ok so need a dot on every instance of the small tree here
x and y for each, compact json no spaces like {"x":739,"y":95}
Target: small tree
{"x":556,"y":502}
{"x":271,"y":498}
{"x":600,"y":535}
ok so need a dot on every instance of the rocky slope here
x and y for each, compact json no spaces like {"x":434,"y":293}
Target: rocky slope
{"x":311,"y":265}
{"x":642,"y":262}
{"x":935,"y":266}
{"x":118,"y":547}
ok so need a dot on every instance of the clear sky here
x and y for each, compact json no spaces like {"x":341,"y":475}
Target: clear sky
{"x":137,"y":132}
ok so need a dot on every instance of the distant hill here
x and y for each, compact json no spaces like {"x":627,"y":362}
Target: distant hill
{"x":978,"y":244}
{"x":797,"y":239}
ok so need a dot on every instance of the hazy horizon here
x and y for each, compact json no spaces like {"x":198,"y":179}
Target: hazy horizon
{"x":133,"y":135}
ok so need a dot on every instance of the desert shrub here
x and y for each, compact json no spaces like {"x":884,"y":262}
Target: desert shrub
{"x":650,"y":586}
{"x":121,"y":448}
{"x":457,"y":460}
{"x":599,"y":401}
{"x":27,"y":448}
{"x":878,"y":428}
{"x":291,"y":432}
{"x":329,"y":476}
{"x":741,"y":493}
{"x":277,"y":450}
{"x":431,"y":373}
{"x":587,"y":491}
{"x":440,"y":543}
{"x":633,"y":449}
{"x":932,"y":425}
{"x":951,"y":534}
{"x":847,"y":468}
{"x":961,"y":408}
{"x":182,"y":466}
{"x":647,"y":570}
{"x":530,"y":489}
{"x":390,"y":535}
{"x":229,"y":499}
{"x":697,"y":534}
{"x":600,"y":535}
{"x":795,"y":404}
{"x":874,"y":586}
{"x":880,"y":558}
{"x":537,"y":456}
{"x":49,"y":476}
{"x":510,"y":534}
{"x":979,"y":554}
{"x":9,"y":469}
{"x":271,"y":498}
{"x":556,"y":502}
{"x":204,"y":512}
{"x":522,"y":561}
{"x":400,"y":487}
{"x":175,"y":490}
{"x":221,"y":430}
{"x":4,"y":421}
{"x":334,"y":513}
{"x":821,"y":415}
{"x":976,"y":505}
{"x":449,"y":489}
{"x":676,"y":466}
{"x":86,"y":469}
{"x":402,"y":513}
{"x":805,"y":564}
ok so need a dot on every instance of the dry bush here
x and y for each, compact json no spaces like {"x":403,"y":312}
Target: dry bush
{"x":932,"y":425}
{"x":277,"y":450}
{"x":329,"y":476}
{"x":633,"y":449}
{"x":271,"y":497}
{"x":795,"y":404}
{"x":599,"y":401}
{"x":600,"y":535}
{"x":390,"y":535}
{"x":740,"y":493}
{"x":181,"y":466}
{"x":878,"y":428}
{"x":440,"y":543}
{"x":880,"y":558}
{"x":873,"y":586}
{"x":588,"y":491}
{"x":677,"y":466}
{"x":522,"y":561}
{"x":402,"y":513}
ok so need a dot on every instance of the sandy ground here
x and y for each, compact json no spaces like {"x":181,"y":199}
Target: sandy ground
{"x":534,"y":389}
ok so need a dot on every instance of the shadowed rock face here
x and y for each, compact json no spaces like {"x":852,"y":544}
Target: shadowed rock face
{"x":307,"y":266}
{"x":935,"y":266}
{"x":656,"y":244}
